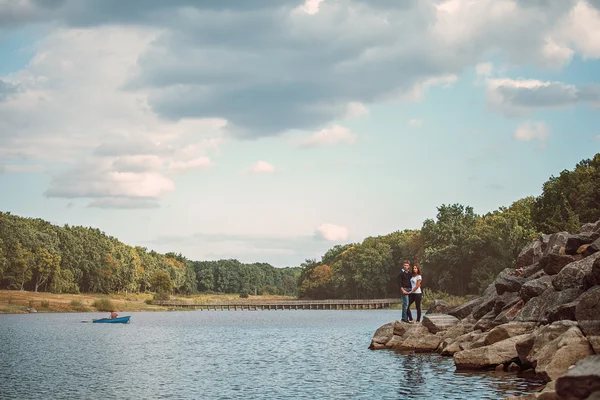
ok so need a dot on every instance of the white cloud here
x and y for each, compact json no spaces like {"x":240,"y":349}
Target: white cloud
{"x":21,"y":168}
{"x":356,"y":109}
{"x":530,"y":130}
{"x":517,"y":97}
{"x":484,"y":69}
{"x":332,"y":232}
{"x":328,"y":137}
{"x":261,"y":167}
{"x":185,"y":165}
{"x":310,"y":7}
{"x":581,"y":30}
{"x":415,"y":123}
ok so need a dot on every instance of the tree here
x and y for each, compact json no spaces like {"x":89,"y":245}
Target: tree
{"x":161,"y":282}
{"x":45,"y":266}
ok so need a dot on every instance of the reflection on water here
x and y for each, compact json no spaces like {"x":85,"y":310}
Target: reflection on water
{"x":226,"y":354}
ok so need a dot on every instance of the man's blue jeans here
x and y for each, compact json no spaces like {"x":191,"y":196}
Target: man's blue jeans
{"x":405,"y":305}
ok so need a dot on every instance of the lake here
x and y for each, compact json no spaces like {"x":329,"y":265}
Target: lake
{"x":297,"y":354}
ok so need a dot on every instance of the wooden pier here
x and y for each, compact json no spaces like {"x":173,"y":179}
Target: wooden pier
{"x":370,"y":304}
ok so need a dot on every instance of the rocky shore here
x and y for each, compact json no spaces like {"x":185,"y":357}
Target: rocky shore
{"x":541,"y":318}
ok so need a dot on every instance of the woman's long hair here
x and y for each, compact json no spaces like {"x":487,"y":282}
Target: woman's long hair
{"x":418,"y":270}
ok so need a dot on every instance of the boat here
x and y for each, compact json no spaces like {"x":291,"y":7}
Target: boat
{"x":119,"y":320}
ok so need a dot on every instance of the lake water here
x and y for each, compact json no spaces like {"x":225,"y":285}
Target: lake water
{"x":291,"y":354}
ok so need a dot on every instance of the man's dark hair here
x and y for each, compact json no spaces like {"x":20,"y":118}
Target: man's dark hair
{"x":406,"y":262}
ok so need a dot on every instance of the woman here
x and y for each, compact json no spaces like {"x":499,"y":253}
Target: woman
{"x":415,"y":293}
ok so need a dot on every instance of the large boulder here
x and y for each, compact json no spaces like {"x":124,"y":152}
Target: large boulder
{"x":419,"y":340}
{"x":438,"y":307}
{"x":508,"y":299}
{"x":382,"y":336}
{"x":591,"y":330}
{"x":509,"y":313}
{"x":463,"y":342}
{"x":574,"y":242}
{"x":556,"y":243}
{"x":572,"y":276}
{"x":581,"y":381}
{"x":552,"y":263}
{"x":509,"y":330}
{"x":529,"y":271}
{"x":465,"y":309}
{"x":438,"y":322}
{"x":488,"y":356}
{"x":508,"y":281}
{"x":555,"y":358}
{"x":592,"y":278}
{"x":529,"y":348}
{"x":559,"y":312}
{"x":535,"y":287}
{"x":588,"y":307}
{"x":591,"y":248}
{"x":487,"y":322}
{"x":487,"y":303}
{"x":531,"y":253}
{"x":536,"y":309}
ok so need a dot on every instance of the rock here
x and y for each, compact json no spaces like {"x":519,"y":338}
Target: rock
{"x":438,"y":307}
{"x":509,"y":313}
{"x":581,"y":381}
{"x":530,"y":253}
{"x":555,"y":348}
{"x":394,"y":342}
{"x":487,"y":322}
{"x":513,"y":367}
{"x":509,"y":330}
{"x":556,"y":243}
{"x":463,"y":342}
{"x":535,"y":287}
{"x":529,"y":271}
{"x":460,"y":328}
{"x":561,"y":312}
{"x":506,"y":281}
{"x":574,"y":242}
{"x":556,"y":357}
{"x":588,"y":307}
{"x":465,"y":309}
{"x":507,"y":300}
{"x":591,"y":330}
{"x":401,"y":328}
{"x":487,"y":302}
{"x":419,"y":340}
{"x":529,"y":347}
{"x":536,"y":309}
{"x":587,"y":228}
{"x":592,"y":278}
{"x":382,"y":336}
{"x":553,"y":262}
{"x":592,"y":248}
{"x":489,"y":356}
{"x":438,"y":322}
{"x":573,"y":274}
{"x":499,"y":368}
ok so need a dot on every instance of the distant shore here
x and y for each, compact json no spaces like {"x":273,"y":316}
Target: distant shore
{"x":18,"y":302}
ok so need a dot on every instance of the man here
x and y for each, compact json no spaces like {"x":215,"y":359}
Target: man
{"x":405,"y":288}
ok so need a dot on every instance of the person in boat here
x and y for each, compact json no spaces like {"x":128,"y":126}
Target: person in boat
{"x":114,"y":314}
{"x":415,"y":294}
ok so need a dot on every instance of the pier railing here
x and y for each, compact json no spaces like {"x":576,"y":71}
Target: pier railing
{"x":251,"y":304}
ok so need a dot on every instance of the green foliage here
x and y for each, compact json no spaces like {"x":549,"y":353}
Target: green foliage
{"x":45,"y":303}
{"x":244,"y":294}
{"x":104,"y":305}
{"x":161,"y":282}
{"x":160,"y":296}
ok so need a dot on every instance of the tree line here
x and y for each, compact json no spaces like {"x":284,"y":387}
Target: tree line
{"x":459,"y":251}
{"x":39,"y":256}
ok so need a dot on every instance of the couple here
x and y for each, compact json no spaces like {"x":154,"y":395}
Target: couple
{"x":410,"y":287}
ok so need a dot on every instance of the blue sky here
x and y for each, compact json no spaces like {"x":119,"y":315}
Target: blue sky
{"x":274,"y":130}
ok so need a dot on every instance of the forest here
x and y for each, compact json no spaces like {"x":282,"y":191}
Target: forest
{"x":459,"y":252}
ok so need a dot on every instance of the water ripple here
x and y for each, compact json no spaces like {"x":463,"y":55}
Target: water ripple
{"x":226,"y":354}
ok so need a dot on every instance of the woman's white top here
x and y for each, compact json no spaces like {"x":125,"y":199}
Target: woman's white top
{"x":413,"y":282}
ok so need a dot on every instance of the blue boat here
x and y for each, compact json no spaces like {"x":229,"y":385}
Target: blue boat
{"x":119,"y":320}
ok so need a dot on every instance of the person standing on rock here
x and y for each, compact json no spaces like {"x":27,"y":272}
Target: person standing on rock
{"x":415,"y":293}
{"x":405,"y":288}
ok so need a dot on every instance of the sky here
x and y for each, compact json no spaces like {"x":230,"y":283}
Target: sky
{"x":273,"y":130}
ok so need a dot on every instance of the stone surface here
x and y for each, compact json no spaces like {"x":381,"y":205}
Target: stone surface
{"x":581,"y":381}
{"x":588,"y":307}
{"x":487,"y":322}
{"x":535,"y":287}
{"x":556,"y":243}
{"x":529,"y":347}
{"x":438,"y":322}
{"x":555,"y":358}
{"x":509,"y":313}
{"x":530,"y":253}
{"x":507,"y":281}
{"x":509,"y":330}
{"x":574,"y":242}
{"x":488,"y":356}
{"x":530,"y":270}
{"x":438,"y":307}
{"x":506,"y":300}
{"x":553,"y":263}
{"x":561,"y":312}
{"x":463,"y":342}
{"x":592,"y":248}
{"x":382,"y":336}
{"x":592,"y":278}
{"x":536,"y":309}
{"x":572,"y":275}
{"x":465,"y":309}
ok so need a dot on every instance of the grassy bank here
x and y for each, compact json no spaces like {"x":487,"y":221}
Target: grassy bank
{"x":14,"y":302}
